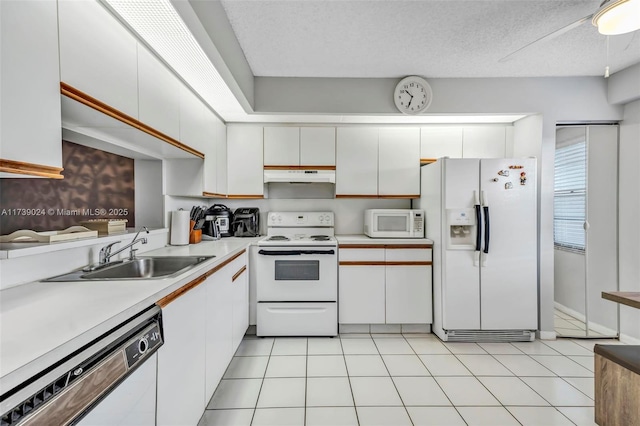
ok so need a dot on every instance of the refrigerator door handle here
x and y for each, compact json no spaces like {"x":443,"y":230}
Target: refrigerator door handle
{"x":487,"y":222}
{"x":478,"y":233}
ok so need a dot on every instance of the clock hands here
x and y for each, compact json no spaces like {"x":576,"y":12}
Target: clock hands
{"x":408,"y":93}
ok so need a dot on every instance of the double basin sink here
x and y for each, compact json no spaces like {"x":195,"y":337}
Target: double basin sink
{"x":141,"y":268}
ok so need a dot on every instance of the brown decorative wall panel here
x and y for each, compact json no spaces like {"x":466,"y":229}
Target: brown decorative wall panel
{"x":96,"y":184}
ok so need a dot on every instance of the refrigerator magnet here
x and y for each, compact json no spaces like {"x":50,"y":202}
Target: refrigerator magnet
{"x":523,"y":178}
{"x":508,"y":185}
{"x":503,"y":172}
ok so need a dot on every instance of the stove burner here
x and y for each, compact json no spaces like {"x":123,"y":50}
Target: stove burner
{"x":278,"y":238}
{"x":320,"y":237}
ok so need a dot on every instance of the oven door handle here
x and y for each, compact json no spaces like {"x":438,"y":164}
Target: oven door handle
{"x":294,"y":252}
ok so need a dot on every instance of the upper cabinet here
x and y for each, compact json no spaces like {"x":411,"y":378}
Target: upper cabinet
{"x":281,"y":146}
{"x":300,"y":146}
{"x":158,"y":90}
{"x":437,"y":142}
{"x":245,"y":175}
{"x":357,"y":161}
{"x":484,"y":142}
{"x":30,"y":125}
{"x":378,"y":162}
{"x":399,"y":162}
{"x":98,"y":56}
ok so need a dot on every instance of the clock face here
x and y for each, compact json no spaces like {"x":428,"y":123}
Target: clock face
{"x":412,"y":95}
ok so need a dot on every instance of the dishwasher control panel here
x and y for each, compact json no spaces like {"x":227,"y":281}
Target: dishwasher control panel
{"x":145,"y":343}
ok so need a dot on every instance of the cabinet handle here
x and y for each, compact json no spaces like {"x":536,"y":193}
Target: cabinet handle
{"x":237,"y":274}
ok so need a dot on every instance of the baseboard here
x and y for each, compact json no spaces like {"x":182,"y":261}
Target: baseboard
{"x":598,"y":328}
{"x":546,"y":335}
{"x":625,"y":338}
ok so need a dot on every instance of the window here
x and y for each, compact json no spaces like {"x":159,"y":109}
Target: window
{"x":570,"y":196}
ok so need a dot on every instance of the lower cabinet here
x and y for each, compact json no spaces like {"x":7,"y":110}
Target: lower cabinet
{"x":181,"y":360}
{"x":384,"y":285}
{"x":203,"y":328}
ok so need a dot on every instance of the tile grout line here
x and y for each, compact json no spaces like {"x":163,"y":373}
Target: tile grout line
{"x":344,"y":359}
{"x":255,"y":409}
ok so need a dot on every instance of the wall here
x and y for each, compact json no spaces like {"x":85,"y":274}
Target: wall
{"x":93,"y":180}
{"x":629,"y":234}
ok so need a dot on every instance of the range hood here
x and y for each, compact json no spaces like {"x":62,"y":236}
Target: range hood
{"x":300,"y":176}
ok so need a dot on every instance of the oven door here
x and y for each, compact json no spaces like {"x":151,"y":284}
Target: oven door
{"x":296,"y":274}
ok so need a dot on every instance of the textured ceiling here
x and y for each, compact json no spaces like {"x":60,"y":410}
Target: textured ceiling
{"x":451,"y":38}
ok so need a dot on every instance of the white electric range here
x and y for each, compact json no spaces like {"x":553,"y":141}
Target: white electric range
{"x":297,"y":276}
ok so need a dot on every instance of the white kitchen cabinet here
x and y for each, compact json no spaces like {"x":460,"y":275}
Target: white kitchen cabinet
{"x":391,"y":285}
{"x":408,"y":294}
{"x":195,"y":130}
{"x":98,"y":55}
{"x":281,"y":146}
{"x":221,"y":157}
{"x":361,"y":297}
{"x":240,"y":286}
{"x":181,"y":360}
{"x":484,"y":142}
{"x":157,"y":90}
{"x":245,"y":174}
{"x":399,"y":161}
{"x":437,"y":142}
{"x":30,"y":126}
{"x":219,"y":349}
{"x":317,"y":146}
{"x":357,"y":161}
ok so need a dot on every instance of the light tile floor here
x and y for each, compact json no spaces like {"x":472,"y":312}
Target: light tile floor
{"x":411,"y":379}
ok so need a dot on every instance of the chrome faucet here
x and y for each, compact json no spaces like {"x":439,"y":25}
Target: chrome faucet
{"x":105,"y":252}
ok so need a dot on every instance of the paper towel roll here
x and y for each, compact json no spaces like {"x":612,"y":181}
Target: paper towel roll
{"x":180,"y":227}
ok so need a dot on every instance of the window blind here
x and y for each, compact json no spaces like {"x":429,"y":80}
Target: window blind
{"x":570,"y":197}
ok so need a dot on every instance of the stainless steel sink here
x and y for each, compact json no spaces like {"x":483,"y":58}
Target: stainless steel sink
{"x":142,"y":268}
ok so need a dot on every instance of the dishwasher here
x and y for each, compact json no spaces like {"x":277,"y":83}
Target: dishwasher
{"x":111,"y":380}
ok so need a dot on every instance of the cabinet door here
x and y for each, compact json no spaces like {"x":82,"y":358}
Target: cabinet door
{"x":98,"y":55}
{"x":281,"y":146}
{"x":244,"y":161}
{"x":194,"y":129}
{"x":215,"y":154}
{"x":361,"y":294}
{"x":218,"y":328}
{"x":240,"y":285}
{"x":221,"y":157}
{"x":484,"y":142}
{"x":181,"y":360}
{"x":158,"y":91}
{"x":408,"y":294}
{"x":357,"y":161}
{"x":438,"y":142}
{"x":30,"y":124}
{"x":399,"y":161}
{"x":317,"y":146}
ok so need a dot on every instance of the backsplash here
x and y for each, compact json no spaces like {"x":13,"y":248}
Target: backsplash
{"x":96,"y":184}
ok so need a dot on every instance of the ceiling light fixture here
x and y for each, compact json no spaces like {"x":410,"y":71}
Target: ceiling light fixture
{"x":159,"y":25}
{"x":617,"y":17}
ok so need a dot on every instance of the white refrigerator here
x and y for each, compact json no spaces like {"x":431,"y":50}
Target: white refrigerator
{"x":482,"y":216}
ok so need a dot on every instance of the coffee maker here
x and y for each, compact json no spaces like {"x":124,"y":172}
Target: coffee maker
{"x":246,"y":222}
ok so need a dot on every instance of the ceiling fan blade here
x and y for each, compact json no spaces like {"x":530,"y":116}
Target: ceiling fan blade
{"x":548,"y":37}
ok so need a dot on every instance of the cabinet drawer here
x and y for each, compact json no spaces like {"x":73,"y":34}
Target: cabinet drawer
{"x":407,"y":255}
{"x":360,"y":254}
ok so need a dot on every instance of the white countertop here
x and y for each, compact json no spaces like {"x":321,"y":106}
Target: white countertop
{"x":42,"y":322}
{"x":363,"y":239}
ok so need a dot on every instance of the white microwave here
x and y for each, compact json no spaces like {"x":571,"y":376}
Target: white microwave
{"x":394,"y":223}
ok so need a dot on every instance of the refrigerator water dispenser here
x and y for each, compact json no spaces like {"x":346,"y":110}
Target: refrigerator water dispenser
{"x":462,"y":229}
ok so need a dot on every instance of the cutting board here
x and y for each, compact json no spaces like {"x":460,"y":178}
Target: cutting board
{"x":29,"y":236}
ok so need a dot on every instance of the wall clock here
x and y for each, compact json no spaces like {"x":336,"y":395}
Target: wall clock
{"x":412,"y":95}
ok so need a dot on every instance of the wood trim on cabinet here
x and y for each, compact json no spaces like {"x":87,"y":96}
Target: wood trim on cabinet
{"x":237,"y":274}
{"x":409,"y":246}
{"x":75,"y":94}
{"x":355,"y":196}
{"x":225,"y":263}
{"x":383,"y":263}
{"x":239,"y":196}
{"x":31,"y":169}
{"x":361,"y":263}
{"x":361,"y":246}
{"x":283,"y":167}
{"x":182,"y":290}
{"x":400,"y":196}
{"x":424,"y":161}
{"x":213,"y":194}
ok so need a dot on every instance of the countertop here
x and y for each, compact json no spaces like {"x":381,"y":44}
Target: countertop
{"x":363,"y":239}
{"x":42,"y":322}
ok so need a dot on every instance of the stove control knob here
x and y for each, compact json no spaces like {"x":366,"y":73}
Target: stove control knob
{"x":321,"y":218}
{"x":327,"y":218}
{"x":143,"y":345}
